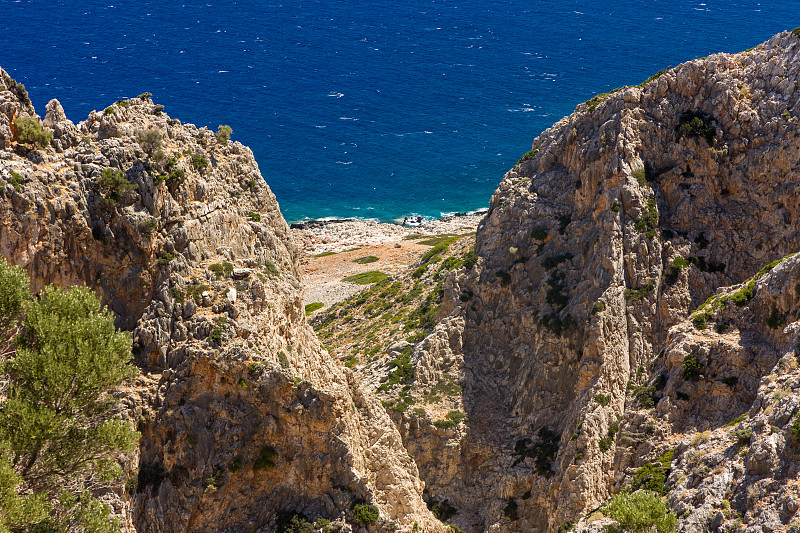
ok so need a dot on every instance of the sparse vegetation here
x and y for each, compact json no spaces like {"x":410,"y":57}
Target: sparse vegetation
{"x":310,"y":308}
{"x":149,"y":140}
{"x":367,"y":278}
{"x":653,"y":476}
{"x":112,"y":184}
{"x":692,"y":367}
{"x":30,"y":131}
{"x":696,"y":124}
{"x":266,"y":459}
{"x":365,"y":260}
{"x":224,"y":134}
{"x":199,"y":162}
{"x":220,"y":270}
{"x":365,"y":514}
{"x":528,"y":155}
{"x":595,"y":101}
{"x":639,"y":294}
{"x":639,"y":512}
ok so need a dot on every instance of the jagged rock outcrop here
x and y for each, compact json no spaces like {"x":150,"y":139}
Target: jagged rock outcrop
{"x":623,"y":219}
{"x":243,"y":415}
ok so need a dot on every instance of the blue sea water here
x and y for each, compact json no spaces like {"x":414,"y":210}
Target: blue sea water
{"x":371,"y":108}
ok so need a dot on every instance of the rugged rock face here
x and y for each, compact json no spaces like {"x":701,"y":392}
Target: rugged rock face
{"x":243,"y":415}
{"x":622,"y":220}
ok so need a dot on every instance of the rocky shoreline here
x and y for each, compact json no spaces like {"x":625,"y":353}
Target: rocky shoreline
{"x":321,"y":236}
{"x":329,"y":250}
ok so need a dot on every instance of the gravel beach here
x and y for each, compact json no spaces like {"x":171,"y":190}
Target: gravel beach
{"x":329,"y":248}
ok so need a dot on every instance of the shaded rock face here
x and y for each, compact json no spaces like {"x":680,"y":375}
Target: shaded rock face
{"x":243,"y":415}
{"x":623,"y":218}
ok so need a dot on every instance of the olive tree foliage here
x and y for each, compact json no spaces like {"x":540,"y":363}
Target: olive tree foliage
{"x":59,"y":436}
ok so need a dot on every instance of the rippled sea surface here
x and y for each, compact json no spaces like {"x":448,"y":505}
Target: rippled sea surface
{"x":371,"y":108}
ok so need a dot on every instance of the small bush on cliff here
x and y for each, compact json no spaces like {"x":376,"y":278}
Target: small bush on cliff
{"x":112,"y":184}
{"x":224,"y":134}
{"x":149,"y":140}
{"x":29,"y":131}
{"x":365,"y":513}
{"x":59,"y":435}
{"x":640,"y":512}
{"x":696,"y":124}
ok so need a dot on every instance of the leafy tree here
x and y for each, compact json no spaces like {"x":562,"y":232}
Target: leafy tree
{"x":59,"y":438}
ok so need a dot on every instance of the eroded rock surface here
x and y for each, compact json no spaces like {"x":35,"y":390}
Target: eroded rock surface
{"x":243,"y":415}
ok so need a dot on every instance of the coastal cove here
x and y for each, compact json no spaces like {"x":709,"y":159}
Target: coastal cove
{"x":380,"y":113}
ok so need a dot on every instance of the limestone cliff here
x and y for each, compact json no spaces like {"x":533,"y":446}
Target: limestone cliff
{"x":570,"y":334}
{"x":244,"y":417}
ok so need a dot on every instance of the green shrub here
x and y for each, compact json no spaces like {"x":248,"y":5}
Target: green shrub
{"x":123,"y":103}
{"x":419,"y":272}
{"x":700,"y":320}
{"x":539,"y":234}
{"x":640,"y":176}
{"x":692,"y":368}
{"x":293,"y":522}
{"x":176,"y":176}
{"x":615,"y":206}
{"x":310,"y":308}
{"x":654,"y":77}
{"x":220,"y":270}
{"x":147,"y":226}
{"x":199,"y":162}
{"x":639,"y":512}
{"x":365,"y":260}
{"x":543,"y":452}
{"x":365,"y":514}
{"x":598,"y":307}
{"x":602,"y":399}
{"x":224,"y":134}
{"x":149,"y":140}
{"x":434,"y":253}
{"x":639,"y":294}
{"x":795,"y":431}
{"x":451,"y":420}
{"x":528,"y":155}
{"x":595,"y":101}
{"x":266,"y":459}
{"x":108,"y":111}
{"x":653,"y":476}
{"x":255,"y":217}
{"x":367,"y":278}
{"x":30,"y":131}
{"x":402,"y":372}
{"x":112,"y":184}
{"x":442,"y":510}
{"x":196,"y":291}
{"x":776,"y":319}
{"x":60,"y":428}
{"x":470,"y":259}
{"x":696,"y":124}
{"x":15,"y":180}
{"x":510,"y":511}
{"x":796,"y":32}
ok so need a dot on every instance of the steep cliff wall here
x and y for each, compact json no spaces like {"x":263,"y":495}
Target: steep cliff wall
{"x":623,"y":218}
{"x":244,"y":417}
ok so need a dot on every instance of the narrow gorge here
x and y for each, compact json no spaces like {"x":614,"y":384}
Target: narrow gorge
{"x":626,"y":317}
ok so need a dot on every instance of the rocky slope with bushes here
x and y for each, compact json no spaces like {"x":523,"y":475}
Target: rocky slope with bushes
{"x":246,"y":423}
{"x":622,"y":333}
{"x":583,"y":366}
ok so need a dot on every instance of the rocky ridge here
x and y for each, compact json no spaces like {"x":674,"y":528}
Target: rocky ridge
{"x":244,"y":417}
{"x":572,"y":341}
